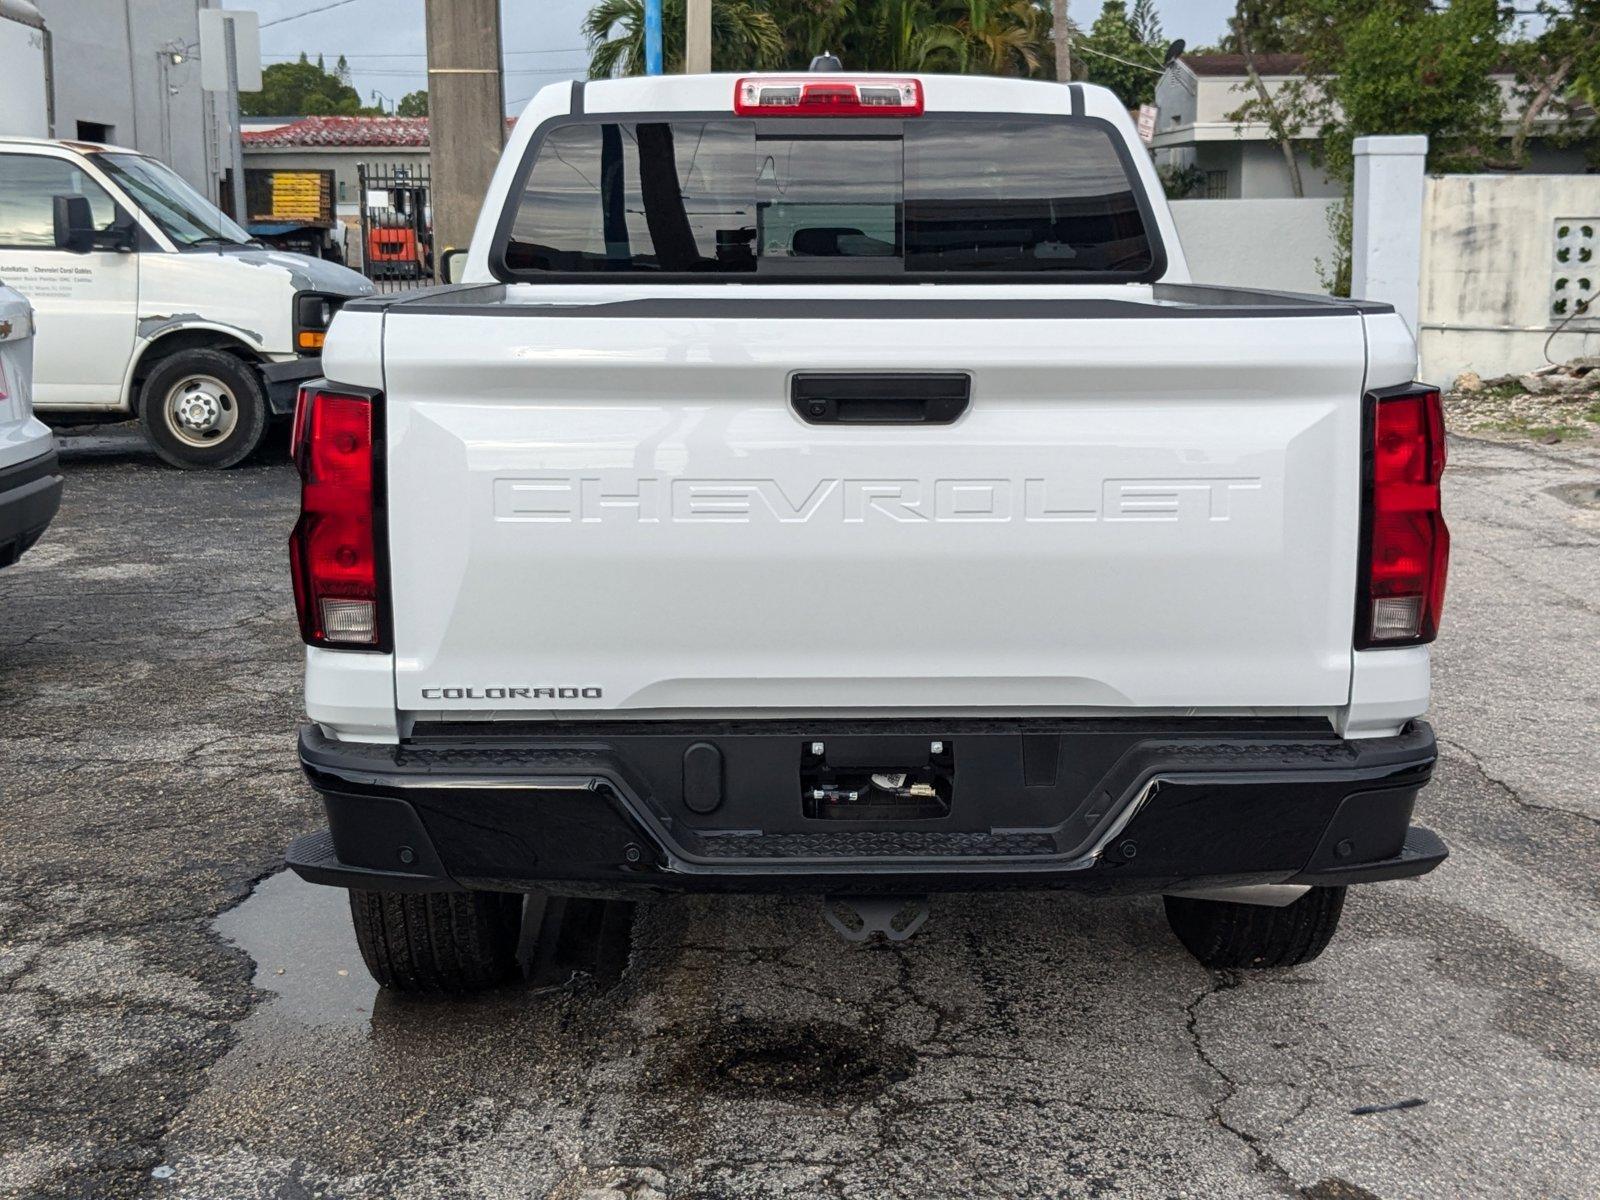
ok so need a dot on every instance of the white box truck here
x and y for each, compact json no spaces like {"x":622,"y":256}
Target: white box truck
{"x":24,"y":71}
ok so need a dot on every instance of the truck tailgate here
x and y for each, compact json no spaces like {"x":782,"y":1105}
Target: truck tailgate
{"x":617,"y":508}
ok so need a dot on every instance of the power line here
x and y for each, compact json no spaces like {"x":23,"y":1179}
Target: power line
{"x":1081,"y":48}
{"x":310,"y":12}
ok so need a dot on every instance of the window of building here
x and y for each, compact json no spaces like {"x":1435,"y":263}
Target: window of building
{"x":1216,"y":185}
{"x":29,"y":185}
{"x":93,"y":131}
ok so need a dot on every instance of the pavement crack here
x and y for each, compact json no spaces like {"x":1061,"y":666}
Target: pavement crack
{"x":1265,"y":1163}
{"x":1516,"y":795}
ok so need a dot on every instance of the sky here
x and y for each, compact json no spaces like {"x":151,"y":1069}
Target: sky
{"x":383,"y":39}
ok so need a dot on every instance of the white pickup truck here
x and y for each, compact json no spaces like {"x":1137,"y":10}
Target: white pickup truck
{"x":835,"y":484}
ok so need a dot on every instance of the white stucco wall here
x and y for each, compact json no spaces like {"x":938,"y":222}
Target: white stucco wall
{"x":1256,"y":243}
{"x":108,"y":70}
{"x":1488,"y":265}
{"x":24,"y":106}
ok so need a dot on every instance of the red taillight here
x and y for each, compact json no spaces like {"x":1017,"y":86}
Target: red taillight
{"x":333,"y":552}
{"x":1406,"y":547}
{"x":808,"y":96}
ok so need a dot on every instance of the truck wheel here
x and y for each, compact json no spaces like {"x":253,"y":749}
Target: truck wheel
{"x":1222,"y":934}
{"x":203,"y":409}
{"x":438,"y":941}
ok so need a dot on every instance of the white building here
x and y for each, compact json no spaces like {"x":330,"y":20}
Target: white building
{"x":127,"y":72}
{"x":1239,"y":159}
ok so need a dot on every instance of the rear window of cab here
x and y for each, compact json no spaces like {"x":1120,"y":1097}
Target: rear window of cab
{"x":1013,"y":196}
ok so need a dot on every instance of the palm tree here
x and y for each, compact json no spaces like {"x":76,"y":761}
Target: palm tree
{"x":988,"y":37}
{"x":744,"y":36}
{"x":1008,"y":37}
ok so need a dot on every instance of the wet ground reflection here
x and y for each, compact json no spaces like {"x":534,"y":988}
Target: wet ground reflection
{"x":305,"y":951}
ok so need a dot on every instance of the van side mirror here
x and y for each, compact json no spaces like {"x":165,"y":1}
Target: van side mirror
{"x":450,"y":263}
{"x":74,"y":224}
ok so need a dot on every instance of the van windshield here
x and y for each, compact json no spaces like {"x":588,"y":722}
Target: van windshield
{"x":183,"y":214}
{"x":970,"y":196}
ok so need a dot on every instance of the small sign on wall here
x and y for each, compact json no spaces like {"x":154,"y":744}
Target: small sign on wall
{"x":1147,"y":123}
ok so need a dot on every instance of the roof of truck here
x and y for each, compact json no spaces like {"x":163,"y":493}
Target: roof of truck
{"x":943,"y":93}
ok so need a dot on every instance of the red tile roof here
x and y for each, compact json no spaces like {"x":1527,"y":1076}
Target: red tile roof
{"x":343,"y":131}
{"x":355,"y":132}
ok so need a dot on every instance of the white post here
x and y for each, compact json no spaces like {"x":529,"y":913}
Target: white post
{"x":237,"y":170}
{"x":1386,"y":231}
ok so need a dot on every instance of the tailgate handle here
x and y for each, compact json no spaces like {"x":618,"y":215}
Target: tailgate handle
{"x":908,"y":398}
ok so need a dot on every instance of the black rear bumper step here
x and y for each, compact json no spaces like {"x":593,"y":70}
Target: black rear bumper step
{"x":1093,"y":805}
{"x":1422,"y":852}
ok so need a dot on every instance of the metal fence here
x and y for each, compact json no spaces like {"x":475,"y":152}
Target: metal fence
{"x":396,"y":250}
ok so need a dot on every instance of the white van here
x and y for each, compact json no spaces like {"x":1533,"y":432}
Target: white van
{"x":150,"y":301}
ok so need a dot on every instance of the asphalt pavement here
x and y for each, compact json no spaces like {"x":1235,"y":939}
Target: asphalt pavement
{"x":180,"y":1018}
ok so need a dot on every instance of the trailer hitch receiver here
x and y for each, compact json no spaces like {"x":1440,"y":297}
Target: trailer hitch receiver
{"x":859,"y":918}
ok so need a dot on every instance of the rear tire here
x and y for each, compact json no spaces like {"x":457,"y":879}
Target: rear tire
{"x":449,"y":942}
{"x":203,"y":409}
{"x":1222,"y":934}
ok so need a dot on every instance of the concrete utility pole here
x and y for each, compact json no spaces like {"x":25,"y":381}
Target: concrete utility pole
{"x":697,"y":47}
{"x":466,"y":113}
{"x":1059,"y":29}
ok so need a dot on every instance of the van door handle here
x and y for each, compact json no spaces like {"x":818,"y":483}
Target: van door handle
{"x":890,"y":398}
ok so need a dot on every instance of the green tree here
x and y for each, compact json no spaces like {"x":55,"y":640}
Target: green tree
{"x":1379,"y":67}
{"x":413,"y":104}
{"x":744,"y":36}
{"x":300,"y":88}
{"x":1558,"y":72}
{"x":1000,"y":37}
{"x":1389,"y":66}
{"x":1117,"y":57}
{"x":1010,"y":38}
{"x":1147,"y":24}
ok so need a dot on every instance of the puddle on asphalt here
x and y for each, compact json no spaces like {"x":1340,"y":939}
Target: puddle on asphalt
{"x":305,"y":952}
{"x":300,"y":937}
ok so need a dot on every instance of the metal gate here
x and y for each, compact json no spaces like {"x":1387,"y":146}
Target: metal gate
{"x":396,"y":225}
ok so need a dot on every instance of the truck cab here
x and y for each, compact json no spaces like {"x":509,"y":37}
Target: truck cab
{"x":151,"y":302}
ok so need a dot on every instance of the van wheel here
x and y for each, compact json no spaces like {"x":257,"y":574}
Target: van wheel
{"x":438,"y":941}
{"x":203,"y":409}
{"x":1223,"y":934}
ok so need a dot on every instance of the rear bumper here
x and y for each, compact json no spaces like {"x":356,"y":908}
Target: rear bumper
{"x":1098,"y":806}
{"x":30,"y":494}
